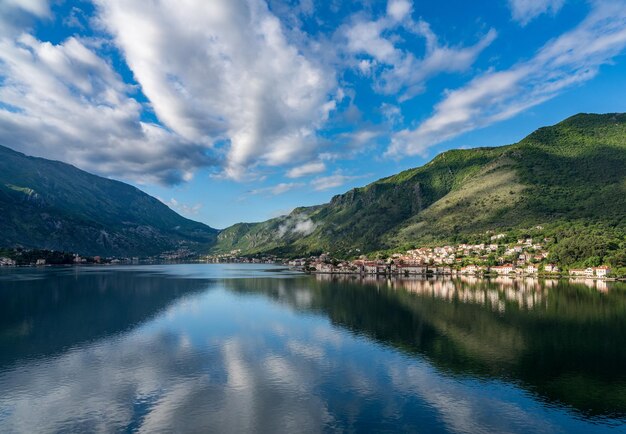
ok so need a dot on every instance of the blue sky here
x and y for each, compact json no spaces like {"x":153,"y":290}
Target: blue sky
{"x":241,"y":110}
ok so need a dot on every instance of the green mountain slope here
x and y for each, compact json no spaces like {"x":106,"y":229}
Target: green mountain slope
{"x":52,"y":205}
{"x":564,"y":176}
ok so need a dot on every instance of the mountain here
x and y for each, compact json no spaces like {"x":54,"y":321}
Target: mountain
{"x":570,"y":178}
{"x":52,"y":205}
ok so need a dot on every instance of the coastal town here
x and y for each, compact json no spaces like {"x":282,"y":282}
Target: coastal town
{"x":526,"y":257}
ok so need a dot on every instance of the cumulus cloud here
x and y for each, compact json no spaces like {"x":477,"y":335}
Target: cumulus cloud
{"x":16,"y":14}
{"x":573,"y":58}
{"x":62,"y":101}
{"x":306,"y":169}
{"x":235,"y":85}
{"x":226,"y":85}
{"x":524,"y":11}
{"x":224,"y":72}
{"x":399,"y":9}
{"x":398,"y":70}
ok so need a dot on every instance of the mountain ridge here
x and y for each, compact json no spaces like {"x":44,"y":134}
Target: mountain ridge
{"x":570,"y":176}
{"x":53,"y":205}
{"x":561,"y":174}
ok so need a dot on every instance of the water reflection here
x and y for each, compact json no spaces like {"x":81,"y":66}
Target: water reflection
{"x":305,"y":354}
{"x":556,"y":338}
{"x":43,"y":312}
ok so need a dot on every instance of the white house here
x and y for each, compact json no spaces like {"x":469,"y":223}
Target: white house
{"x":602,"y":271}
{"x":470,"y":269}
{"x":532,"y":269}
{"x":7,"y":262}
{"x":503,"y":269}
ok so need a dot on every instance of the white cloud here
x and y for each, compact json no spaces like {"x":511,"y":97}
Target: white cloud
{"x":392,"y":114}
{"x":233,"y":86}
{"x":364,"y":37}
{"x":306,"y":169}
{"x":298,"y":224}
{"x":75,"y":19}
{"x":399,"y":9}
{"x":16,"y":14}
{"x":357,"y":142}
{"x":277,"y":189}
{"x":352,"y":144}
{"x":304,"y":227}
{"x":40,"y":8}
{"x":222,"y":78}
{"x":223,"y":71}
{"x":524,"y":11}
{"x":360,"y":138}
{"x":62,"y":101}
{"x":398,"y":71}
{"x":366,"y":66}
{"x":570,"y":59}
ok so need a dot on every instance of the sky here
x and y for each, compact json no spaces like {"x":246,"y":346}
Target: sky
{"x":242,"y":110}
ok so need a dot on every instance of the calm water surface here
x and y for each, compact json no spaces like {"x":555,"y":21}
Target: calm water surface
{"x":234,"y":348}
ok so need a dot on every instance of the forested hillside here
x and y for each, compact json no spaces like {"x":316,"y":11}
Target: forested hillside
{"x":52,"y":205}
{"x":569,"y":178}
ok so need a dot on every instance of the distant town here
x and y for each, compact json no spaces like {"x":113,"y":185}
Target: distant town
{"x":526,"y":257}
{"x":14,"y":257}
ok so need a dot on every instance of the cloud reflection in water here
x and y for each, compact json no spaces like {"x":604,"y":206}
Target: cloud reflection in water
{"x":259,"y":355}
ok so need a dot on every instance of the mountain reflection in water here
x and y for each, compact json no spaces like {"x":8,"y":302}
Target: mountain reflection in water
{"x":193,"y":348}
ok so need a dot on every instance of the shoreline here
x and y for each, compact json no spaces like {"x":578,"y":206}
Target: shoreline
{"x":478,"y":276}
{"x":338,"y":273}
